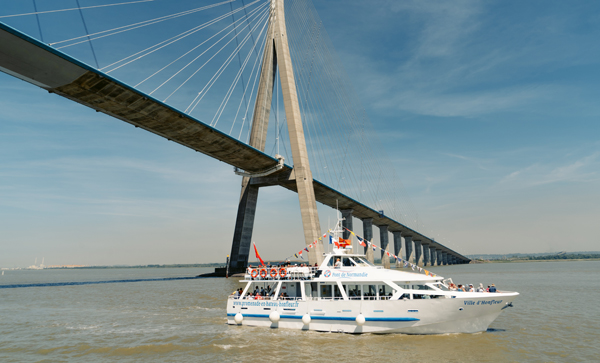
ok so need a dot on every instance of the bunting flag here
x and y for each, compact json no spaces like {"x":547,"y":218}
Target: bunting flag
{"x":413,"y":267}
{"x":296,"y":255}
{"x":405,"y":263}
{"x":306,"y":249}
{"x":374,"y":247}
{"x":387,"y":253}
{"x":257,"y":255}
{"x":361,"y":241}
{"x":331,"y":240}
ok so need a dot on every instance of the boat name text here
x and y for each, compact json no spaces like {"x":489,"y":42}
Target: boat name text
{"x":483,"y":302}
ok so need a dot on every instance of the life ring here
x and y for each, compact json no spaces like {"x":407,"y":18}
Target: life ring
{"x":273,"y":272}
{"x":254,"y":273}
{"x":263,"y":273}
{"x":282,"y":272}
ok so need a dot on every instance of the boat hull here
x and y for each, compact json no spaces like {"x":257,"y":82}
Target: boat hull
{"x":468,"y":313}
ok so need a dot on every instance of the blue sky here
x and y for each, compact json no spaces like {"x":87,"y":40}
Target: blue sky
{"x":488,"y":111}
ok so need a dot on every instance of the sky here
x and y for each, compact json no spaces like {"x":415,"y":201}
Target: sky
{"x":487,"y":110}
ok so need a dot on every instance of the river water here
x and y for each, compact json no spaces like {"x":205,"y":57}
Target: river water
{"x":556,"y":318}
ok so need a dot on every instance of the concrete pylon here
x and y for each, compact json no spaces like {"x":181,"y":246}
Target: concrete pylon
{"x":384,"y":240}
{"x":398,"y":246}
{"x":408,"y":247}
{"x":425,"y":246}
{"x":302,"y":173}
{"x":418,"y":253}
{"x":244,"y":224}
{"x":277,"y":55}
{"x":368,"y":236}
{"x":432,"y":255}
{"x":439,"y":256}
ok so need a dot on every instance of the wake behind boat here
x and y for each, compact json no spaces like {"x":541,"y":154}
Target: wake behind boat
{"x":348,"y":294}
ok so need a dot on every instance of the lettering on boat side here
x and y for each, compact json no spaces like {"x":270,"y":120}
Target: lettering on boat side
{"x":483,"y":302}
{"x":287,"y":304}
{"x":344,"y":274}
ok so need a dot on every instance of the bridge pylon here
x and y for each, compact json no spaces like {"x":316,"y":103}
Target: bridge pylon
{"x":277,"y":56}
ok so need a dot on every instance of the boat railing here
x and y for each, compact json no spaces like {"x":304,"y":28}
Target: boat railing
{"x":281,"y":273}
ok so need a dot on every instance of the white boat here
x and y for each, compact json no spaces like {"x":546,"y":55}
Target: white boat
{"x":358,"y":297}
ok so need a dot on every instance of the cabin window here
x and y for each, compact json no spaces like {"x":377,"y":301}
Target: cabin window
{"x":403,"y":285}
{"x":353,"y":291}
{"x":326,"y":291}
{"x":369,"y":292}
{"x":347,"y":261}
{"x":385,"y":292}
{"x":337,"y":294}
{"x":422,"y":287}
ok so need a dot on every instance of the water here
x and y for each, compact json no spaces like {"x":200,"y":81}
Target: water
{"x":556,"y":318}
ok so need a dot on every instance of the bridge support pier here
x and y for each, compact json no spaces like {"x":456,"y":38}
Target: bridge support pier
{"x":368,"y":236}
{"x":408,"y":247}
{"x":432,"y":255}
{"x":384,"y":240}
{"x":439,"y":257}
{"x":418,"y":253}
{"x":397,"y":246}
{"x":426,"y":259}
{"x":244,"y":224}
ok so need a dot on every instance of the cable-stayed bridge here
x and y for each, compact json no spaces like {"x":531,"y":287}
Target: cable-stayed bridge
{"x":214,"y":78}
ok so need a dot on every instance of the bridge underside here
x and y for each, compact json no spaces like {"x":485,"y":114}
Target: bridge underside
{"x":36,"y":63}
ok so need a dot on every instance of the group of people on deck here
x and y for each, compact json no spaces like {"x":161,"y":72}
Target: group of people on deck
{"x":257,"y":294}
{"x":470,"y":288}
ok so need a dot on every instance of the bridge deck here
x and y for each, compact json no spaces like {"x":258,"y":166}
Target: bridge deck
{"x":36,"y":63}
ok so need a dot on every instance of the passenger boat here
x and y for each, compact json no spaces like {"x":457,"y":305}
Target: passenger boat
{"x":355,"y":296}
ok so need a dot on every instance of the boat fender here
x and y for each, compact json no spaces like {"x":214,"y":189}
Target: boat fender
{"x":274,"y":317}
{"x":263,"y":273}
{"x":273,"y":272}
{"x":360,"y":320}
{"x":238,"y":318}
{"x":254,"y":273}
{"x":282,"y":272}
{"x":306,"y":319}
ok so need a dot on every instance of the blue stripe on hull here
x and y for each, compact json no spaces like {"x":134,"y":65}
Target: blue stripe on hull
{"x":343,"y":318}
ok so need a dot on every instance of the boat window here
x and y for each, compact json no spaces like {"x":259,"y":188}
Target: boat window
{"x":337,"y":294}
{"x":422,"y":287}
{"x":348,"y":262}
{"x":384,"y":291}
{"x":312,"y":290}
{"x":369,"y":292}
{"x":403,"y":285}
{"x":353,"y":291}
{"x":362,"y":262}
{"x":326,"y":292}
{"x":441,"y":286}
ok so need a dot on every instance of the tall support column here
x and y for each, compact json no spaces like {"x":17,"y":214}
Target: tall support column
{"x":384,"y":240}
{"x":445,"y":258}
{"x":425,"y":246}
{"x":368,"y":236}
{"x":244,"y":224}
{"x":432,"y":255}
{"x":418,"y":253}
{"x":408,"y":247}
{"x":398,"y":246}
{"x":347,"y":224}
{"x":302,"y":173}
{"x":439,"y":257}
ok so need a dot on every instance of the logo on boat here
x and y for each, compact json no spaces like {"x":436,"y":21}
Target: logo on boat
{"x":344,"y":274}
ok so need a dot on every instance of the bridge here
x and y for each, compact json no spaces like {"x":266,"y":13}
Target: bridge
{"x":43,"y":65}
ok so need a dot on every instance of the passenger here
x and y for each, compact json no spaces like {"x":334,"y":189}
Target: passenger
{"x":425,"y":296}
{"x":460,"y":288}
{"x":471,"y":289}
{"x":262,"y":291}
{"x":452,"y":287}
{"x":269,"y":289}
{"x":236,"y":294}
{"x":338,"y":263}
{"x":488,"y":289}
{"x":480,"y":288}
{"x":281,"y":296}
{"x":493,"y":288}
